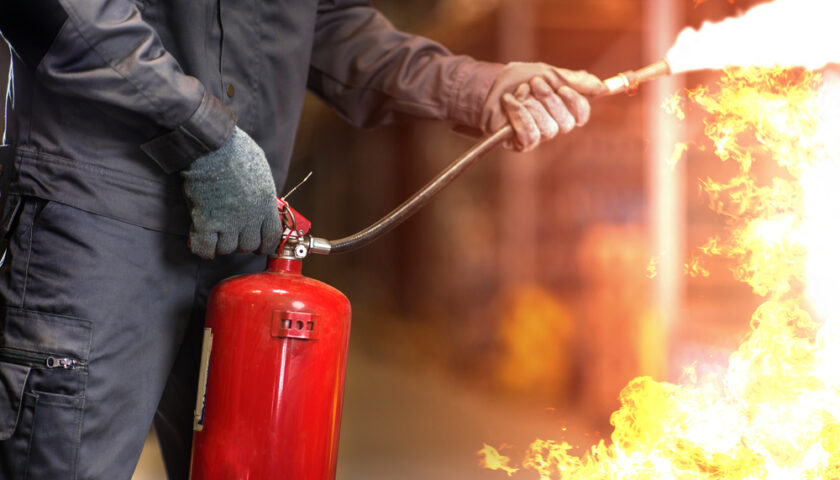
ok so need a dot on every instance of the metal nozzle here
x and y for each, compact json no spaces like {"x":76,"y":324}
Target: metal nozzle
{"x":629,"y":80}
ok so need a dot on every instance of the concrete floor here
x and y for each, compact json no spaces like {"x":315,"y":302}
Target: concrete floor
{"x":411,"y":423}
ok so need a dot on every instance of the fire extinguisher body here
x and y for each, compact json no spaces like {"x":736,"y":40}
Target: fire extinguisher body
{"x":277,"y":348}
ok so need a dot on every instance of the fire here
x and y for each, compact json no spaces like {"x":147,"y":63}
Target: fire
{"x":493,"y":460}
{"x":775,"y":413}
{"x":651,"y":267}
{"x":780,"y":33}
{"x":679,"y":149}
{"x":694,"y":269}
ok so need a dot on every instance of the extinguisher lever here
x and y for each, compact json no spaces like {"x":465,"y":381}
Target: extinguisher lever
{"x":295,"y":224}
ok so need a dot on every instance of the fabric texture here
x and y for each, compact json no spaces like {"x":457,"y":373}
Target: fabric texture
{"x":232,"y":200}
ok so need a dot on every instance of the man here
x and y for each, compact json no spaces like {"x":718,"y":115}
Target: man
{"x":133,"y":126}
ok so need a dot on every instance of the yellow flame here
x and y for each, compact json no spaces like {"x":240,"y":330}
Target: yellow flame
{"x":679,"y":149}
{"x":493,"y":460}
{"x":694,"y":269}
{"x":674,"y":105}
{"x":775,"y":413}
{"x":651,"y":268}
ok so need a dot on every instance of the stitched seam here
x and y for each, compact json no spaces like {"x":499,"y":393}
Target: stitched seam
{"x":256,"y":68}
{"x":31,"y":434}
{"x":53,"y":159}
{"x":452,"y":89}
{"x":74,"y":318}
{"x":77,"y":439}
{"x":30,"y":222}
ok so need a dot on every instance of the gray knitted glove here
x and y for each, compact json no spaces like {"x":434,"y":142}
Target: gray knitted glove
{"x":232,"y":200}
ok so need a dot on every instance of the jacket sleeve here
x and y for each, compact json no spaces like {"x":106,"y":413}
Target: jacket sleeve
{"x":373,"y":74}
{"x":103,"y":51}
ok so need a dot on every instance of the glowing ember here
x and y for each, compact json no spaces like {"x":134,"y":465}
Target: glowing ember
{"x":775,"y":414}
{"x":780,"y":33}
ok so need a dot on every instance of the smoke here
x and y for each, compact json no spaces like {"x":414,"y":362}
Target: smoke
{"x":786,"y":33}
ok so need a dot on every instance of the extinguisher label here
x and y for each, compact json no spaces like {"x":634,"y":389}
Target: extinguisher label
{"x":207,"y":346}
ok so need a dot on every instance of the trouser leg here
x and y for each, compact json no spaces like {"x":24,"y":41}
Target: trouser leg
{"x":174,"y":417}
{"x":113,"y":297}
{"x":126,"y":305}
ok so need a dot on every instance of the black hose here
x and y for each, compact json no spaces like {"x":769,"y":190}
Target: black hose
{"x":419,"y":199}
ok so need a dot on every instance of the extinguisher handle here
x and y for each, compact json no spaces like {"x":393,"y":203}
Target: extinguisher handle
{"x":419,"y":199}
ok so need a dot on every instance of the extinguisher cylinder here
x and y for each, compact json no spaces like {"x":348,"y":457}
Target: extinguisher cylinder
{"x":274,"y":379}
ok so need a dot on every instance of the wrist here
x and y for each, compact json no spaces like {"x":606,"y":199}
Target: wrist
{"x":209,"y":127}
{"x":473,"y":80}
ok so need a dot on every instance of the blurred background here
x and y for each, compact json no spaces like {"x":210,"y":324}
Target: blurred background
{"x":523,"y":298}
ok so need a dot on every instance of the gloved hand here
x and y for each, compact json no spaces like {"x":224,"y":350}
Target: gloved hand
{"x":539,"y":101}
{"x":232,"y":200}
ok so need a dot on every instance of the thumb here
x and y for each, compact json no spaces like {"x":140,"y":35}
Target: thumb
{"x":583,"y":82}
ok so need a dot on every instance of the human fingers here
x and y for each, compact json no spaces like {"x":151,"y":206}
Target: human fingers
{"x":526,"y":131}
{"x":554,"y":105}
{"x":583,"y":82}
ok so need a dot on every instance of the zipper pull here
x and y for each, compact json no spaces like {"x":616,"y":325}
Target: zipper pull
{"x":66,"y":363}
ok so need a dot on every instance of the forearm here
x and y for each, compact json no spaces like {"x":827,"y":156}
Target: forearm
{"x":373,"y":74}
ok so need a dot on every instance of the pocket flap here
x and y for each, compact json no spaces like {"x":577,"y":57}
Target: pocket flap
{"x":46,"y":333}
{"x":12,"y":381}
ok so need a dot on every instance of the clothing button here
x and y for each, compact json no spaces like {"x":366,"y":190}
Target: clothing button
{"x":229,"y":89}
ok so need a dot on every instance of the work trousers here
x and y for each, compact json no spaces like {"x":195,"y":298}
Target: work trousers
{"x":101,"y":327}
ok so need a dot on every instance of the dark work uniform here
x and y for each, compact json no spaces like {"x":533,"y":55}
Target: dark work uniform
{"x":102,"y":302}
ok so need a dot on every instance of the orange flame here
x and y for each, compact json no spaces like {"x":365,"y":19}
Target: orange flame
{"x":775,"y":414}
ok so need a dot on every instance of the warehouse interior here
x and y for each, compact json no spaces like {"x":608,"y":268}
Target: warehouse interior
{"x":519,"y":302}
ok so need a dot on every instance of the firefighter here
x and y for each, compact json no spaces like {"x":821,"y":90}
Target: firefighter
{"x":134,"y":126}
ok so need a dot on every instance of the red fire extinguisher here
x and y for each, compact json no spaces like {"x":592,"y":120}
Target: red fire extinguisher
{"x":275,"y":348}
{"x":272,"y":377}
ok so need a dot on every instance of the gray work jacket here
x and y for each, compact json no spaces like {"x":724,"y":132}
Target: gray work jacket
{"x":109,"y":99}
